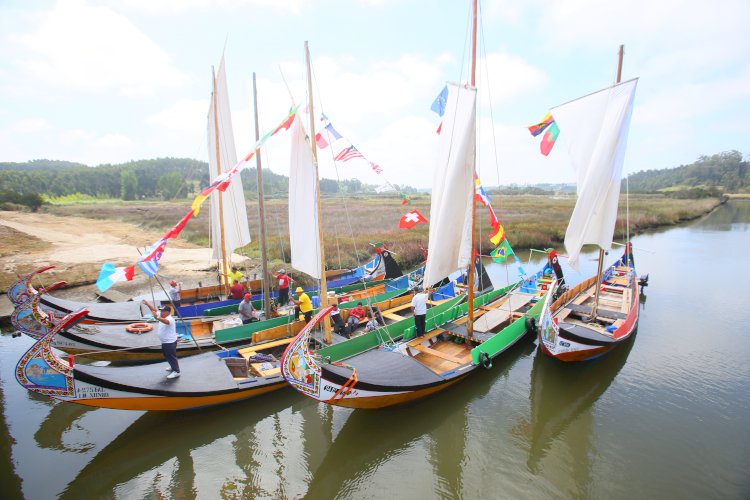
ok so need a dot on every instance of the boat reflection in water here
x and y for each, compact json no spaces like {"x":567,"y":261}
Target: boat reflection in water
{"x":562,"y":398}
{"x":61,"y":419}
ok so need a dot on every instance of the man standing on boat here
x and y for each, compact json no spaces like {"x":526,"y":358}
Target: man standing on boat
{"x":167,"y":331}
{"x":419,"y":310}
{"x":304,"y":304}
{"x":237,"y":291}
{"x":174,"y":293}
{"x":284,"y":280}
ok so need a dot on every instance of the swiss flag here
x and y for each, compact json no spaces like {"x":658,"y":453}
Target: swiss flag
{"x":411,"y":219}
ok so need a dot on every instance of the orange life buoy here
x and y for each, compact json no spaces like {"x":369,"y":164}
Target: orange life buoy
{"x":139,"y":327}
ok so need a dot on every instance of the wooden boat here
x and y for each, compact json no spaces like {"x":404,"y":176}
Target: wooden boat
{"x":579,"y":326}
{"x":120,"y":343}
{"x":602,"y":312}
{"x":207,"y":379}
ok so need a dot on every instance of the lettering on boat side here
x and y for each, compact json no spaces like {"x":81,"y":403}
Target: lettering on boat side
{"x":329,"y":388}
{"x":565,"y":344}
{"x":91,"y":392}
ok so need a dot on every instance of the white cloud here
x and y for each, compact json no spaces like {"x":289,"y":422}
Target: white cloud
{"x":94,"y":48}
{"x":185,"y":115}
{"x":290,"y":6}
{"x":29,"y":126}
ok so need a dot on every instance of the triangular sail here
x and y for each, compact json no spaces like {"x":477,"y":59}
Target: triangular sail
{"x":595,"y":128}
{"x":236,"y":230}
{"x":453,"y":187}
{"x":303,"y":205}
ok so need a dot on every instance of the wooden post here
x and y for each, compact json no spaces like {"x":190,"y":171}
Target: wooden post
{"x":323,"y":293}
{"x":266,"y":281}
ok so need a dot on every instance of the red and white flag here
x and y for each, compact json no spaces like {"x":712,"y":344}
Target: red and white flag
{"x":411,"y":219}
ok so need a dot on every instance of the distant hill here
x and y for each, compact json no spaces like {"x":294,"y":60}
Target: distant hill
{"x":725,"y":172}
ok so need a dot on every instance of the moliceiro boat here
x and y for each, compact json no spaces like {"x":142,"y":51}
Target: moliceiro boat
{"x":206,"y":379}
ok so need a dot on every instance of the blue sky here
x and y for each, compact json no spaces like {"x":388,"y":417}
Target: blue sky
{"x":107,"y":82}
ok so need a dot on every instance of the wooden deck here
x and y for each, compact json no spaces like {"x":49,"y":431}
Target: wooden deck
{"x":442,"y":356}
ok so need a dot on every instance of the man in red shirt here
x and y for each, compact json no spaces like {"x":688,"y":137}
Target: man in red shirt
{"x":237,"y":291}
{"x":283,"y":280}
{"x":356,"y":315}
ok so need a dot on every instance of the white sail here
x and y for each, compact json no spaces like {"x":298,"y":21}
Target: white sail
{"x":303,"y":205}
{"x":453,"y":187}
{"x":595,"y":128}
{"x":236,"y":230}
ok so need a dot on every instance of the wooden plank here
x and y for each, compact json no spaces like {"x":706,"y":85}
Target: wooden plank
{"x":394,"y":317}
{"x":433,"y":352}
{"x":425,"y":337}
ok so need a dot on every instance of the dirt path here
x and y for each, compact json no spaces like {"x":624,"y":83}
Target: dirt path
{"x":79,"y":246}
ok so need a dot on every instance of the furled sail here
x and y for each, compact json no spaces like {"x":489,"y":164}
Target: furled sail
{"x":303,"y":205}
{"x":453,"y":187}
{"x":595,"y":129}
{"x":236,"y":231}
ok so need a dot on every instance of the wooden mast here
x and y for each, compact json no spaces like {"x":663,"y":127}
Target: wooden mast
{"x":600,"y":265}
{"x":261,"y":214}
{"x":223,"y":267}
{"x":323,"y":285}
{"x":472,"y":268}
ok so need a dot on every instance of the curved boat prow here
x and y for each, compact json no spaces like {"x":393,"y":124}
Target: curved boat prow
{"x":29,"y":318}
{"x":298,"y":366}
{"x":42,"y":371}
{"x":22,"y":289}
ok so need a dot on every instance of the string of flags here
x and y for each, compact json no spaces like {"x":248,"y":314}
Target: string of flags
{"x":149,"y":260}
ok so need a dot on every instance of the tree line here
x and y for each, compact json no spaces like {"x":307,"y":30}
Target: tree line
{"x":168,"y":178}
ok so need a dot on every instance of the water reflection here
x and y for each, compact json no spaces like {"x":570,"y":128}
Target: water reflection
{"x":63,"y":418}
{"x":562,"y":400}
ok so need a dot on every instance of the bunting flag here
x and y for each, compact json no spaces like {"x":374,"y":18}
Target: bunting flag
{"x":438,"y":105}
{"x":550,"y":136}
{"x":321,"y":141}
{"x":379,"y":247}
{"x":149,"y":261}
{"x":347,"y":154}
{"x":498,"y":234}
{"x":502,"y":252}
{"x":336,"y":136}
{"x":411,"y":219}
{"x":109,"y":275}
{"x":375,"y":167}
{"x":405,"y":200}
{"x":539,"y":127}
{"x":177,"y":229}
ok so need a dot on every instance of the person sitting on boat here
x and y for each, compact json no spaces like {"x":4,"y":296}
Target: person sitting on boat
{"x":372,"y":323}
{"x":174,"y":293}
{"x":237,"y":292}
{"x":419,"y":310}
{"x":303,"y":304}
{"x":356,"y":315}
{"x":283,"y":280}
{"x":377,"y":315}
{"x":339,"y":327}
{"x":167,"y":331}
{"x":246,"y":310}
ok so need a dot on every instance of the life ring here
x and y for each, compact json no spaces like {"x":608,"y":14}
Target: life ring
{"x":139,"y":327}
{"x":484,"y":360}
{"x":531,"y":324}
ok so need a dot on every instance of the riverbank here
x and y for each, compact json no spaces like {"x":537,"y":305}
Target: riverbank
{"x":78,"y":238}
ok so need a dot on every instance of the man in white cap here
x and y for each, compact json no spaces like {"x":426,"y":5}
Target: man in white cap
{"x":167,"y":331}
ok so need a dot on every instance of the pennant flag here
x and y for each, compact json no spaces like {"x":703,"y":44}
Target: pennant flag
{"x":379,"y":247}
{"x":332,"y":131}
{"x":481,"y":196}
{"x":149,"y":261}
{"x":375,"y":167}
{"x":109,"y":275}
{"x":438,"y":105}
{"x":539,"y":127}
{"x":411,"y":219}
{"x":502,"y":252}
{"x":405,"y":200}
{"x":550,"y":136}
{"x":177,"y":229}
{"x":321,"y":141}
{"x":347,"y":154}
{"x":498,"y":234}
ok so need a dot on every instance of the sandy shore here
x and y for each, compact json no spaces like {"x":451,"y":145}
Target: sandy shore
{"x":79,"y":246}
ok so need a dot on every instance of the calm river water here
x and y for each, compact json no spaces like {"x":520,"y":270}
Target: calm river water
{"x":666,"y":416}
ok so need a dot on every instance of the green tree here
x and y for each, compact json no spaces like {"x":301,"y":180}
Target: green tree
{"x":128,"y":185}
{"x":169,"y":184}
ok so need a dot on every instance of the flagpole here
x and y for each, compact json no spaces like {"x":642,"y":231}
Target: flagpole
{"x":472,"y":271}
{"x":261,"y":215}
{"x":223,"y":268}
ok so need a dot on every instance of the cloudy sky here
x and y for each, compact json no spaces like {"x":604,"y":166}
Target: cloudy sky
{"x":107,"y":82}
